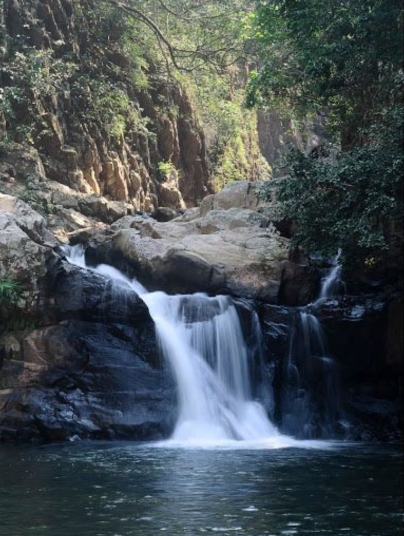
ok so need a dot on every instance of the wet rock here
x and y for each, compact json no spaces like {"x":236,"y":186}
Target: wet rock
{"x":89,"y":380}
{"x":78,"y":353}
{"x":368,"y":382}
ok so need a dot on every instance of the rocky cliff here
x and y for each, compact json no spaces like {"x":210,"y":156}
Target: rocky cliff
{"x":78,"y":108}
{"x":277,"y":132}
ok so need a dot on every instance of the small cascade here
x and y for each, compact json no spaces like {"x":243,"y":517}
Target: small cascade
{"x":201,"y":337}
{"x":332,"y":284}
{"x":310,"y":401}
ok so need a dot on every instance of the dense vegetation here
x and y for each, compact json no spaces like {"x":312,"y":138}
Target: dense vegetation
{"x":342,"y":60}
{"x":337,"y":60}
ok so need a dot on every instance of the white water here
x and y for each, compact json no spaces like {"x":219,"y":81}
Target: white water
{"x":331,"y":282}
{"x":201,"y":338}
{"x":311,"y":394}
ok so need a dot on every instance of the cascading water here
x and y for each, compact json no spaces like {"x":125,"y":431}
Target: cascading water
{"x":311,"y":397}
{"x":332,"y":283}
{"x":310,"y":401}
{"x":202,"y":339}
{"x":209,"y":358}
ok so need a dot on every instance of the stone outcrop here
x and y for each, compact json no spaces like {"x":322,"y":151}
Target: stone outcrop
{"x":74,"y":360}
{"x":367,"y":404}
{"x":26,"y":246}
{"x":358,"y":330}
{"x":227,"y":245}
{"x":278,"y":133}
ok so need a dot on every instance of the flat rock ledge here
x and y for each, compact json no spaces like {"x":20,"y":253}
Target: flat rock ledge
{"x":227,"y":245}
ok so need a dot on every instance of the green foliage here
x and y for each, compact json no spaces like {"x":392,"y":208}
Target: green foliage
{"x":350,"y":200}
{"x":338,"y":57}
{"x":167,"y":170}
{"x":113,"y":109}
{"x":342,"y":59}
{"x":10,"y":291}
{"x":230,"y":130}
{"x":29,"y":77}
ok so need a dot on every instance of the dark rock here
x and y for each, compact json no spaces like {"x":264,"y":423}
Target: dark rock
{"x":79,"y":293}
{"x":299,"y":285}
{"x":90,"y":380}
{"x":362,"y":335}
{"x":163,"y":214}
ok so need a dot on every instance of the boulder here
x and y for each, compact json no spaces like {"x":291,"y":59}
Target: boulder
{"x":227,"y":245}
{"x":78,"y":354}
{"x":230,"y":252}
{"x":82,"y":379}
{"x":240,"y":194}
{"x":91,"y":370}
{"x":26,"y":246}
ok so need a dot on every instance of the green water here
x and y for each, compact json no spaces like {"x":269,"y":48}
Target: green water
{"x":136,"y":489}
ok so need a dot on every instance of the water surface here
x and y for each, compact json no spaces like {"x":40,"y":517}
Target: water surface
{"x":127,"y":489}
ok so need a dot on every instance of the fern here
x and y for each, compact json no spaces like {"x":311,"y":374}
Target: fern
{"x":10,"y":291}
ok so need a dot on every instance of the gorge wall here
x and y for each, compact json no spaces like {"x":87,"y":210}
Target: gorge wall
{"x":76,"y":111}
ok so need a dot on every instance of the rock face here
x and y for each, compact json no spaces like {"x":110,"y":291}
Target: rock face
{"x":67,"y":126}
{"x":358,"y":330}
{"x":277,"y":134}
{"x":366,"y":382}
{"x":84,"y":379}
{"x":26,"y":246}
{"x":74,"y":360}
{"x":227,"y":245}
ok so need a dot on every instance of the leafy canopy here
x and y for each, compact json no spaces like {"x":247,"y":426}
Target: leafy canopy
{"x":351,"y":202}
{"x":343,"y":60}
{"x":340,"y":58}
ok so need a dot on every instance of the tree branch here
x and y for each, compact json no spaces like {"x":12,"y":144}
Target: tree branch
{"x":205,"y":55}
{"x":152,"y":25}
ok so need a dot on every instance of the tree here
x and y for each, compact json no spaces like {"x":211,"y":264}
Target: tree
{"x":341,"y":59}
{"x":352,"y":201}
{"x":191,"y":36}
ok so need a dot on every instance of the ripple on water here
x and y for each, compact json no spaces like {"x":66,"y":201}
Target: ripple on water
{"x":183,"y":492}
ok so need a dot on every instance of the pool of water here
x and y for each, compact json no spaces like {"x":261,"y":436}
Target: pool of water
{"x":122,"y":489}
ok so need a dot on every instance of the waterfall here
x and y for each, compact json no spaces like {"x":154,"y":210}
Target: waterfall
{"x":310,"y":398}
{"x":331,"y":284}
{"x":209,"y":358}
{"x":202,"y":340}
